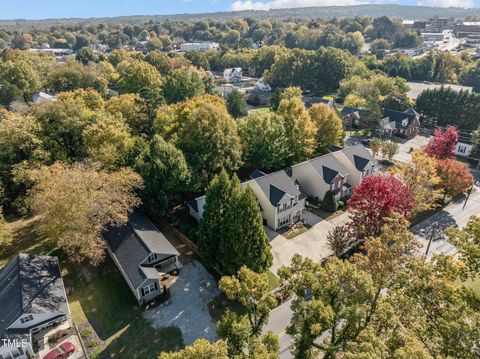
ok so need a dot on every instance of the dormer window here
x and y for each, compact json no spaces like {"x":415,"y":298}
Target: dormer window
{"x":152,"y":257}
{"x":26,"y":319}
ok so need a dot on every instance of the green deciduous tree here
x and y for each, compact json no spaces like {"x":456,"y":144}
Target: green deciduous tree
{"x":264,"y":141}
{"x":209,"y":139}
{"x":201,"y":349}
{"x":182,"y":84}
{"x":165,"y":173}
{"x":108,"y":140}
{"x":6,"y":237}
{"x":236,"y":104}
{"x":467,"y":242}
{"x":136,"y":75}
{"x":19,"y":71}
{"x":252,"y":291}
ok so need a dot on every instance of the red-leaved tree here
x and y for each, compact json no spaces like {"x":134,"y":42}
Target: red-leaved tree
{"x":455,"y":177}
{"x":375,"y":199}
{"x":442,"y":144}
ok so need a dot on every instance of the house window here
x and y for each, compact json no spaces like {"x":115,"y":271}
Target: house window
{"x":26,"y":319}
{"x":283,"y":221}
{"x":152,"y":257}
{"x":149,"y":289}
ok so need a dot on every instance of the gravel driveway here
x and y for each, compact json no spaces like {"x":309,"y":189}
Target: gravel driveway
{"x":187,"y":307}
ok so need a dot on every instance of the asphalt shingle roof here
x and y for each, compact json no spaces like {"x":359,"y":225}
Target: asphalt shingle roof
{"x":398,"y":117}
{"x":133,"y":242}
{"x":328,"y":174}
{"x":30,"y":284}
{"x":349,"y":110}
{"x":360,"y":162}
{"x":276,"y":185}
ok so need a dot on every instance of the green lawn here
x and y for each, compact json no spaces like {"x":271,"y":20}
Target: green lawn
{"x":273,"y":280}
{"x":474,"y":284}
{"x":100,"y":297}
{"x":260,"y":110}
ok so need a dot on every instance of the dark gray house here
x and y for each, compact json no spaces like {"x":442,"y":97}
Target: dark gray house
{"x":32,"y":297}
{"x":142,"y":254}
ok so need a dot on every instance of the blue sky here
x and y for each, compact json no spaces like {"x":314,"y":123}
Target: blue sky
{"x":41,"y":9}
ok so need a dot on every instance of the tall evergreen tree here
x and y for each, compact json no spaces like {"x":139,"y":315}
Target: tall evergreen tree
{"x":243,"y":242}
{"x":209,"y":233}
{"x":236,"y":104}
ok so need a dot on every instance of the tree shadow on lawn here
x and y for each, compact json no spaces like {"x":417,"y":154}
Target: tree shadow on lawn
{"x":26,"y":239}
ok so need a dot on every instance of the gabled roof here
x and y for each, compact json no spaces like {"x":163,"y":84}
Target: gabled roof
{"x":349,"y":111}
{"x":360,"y":162}
{"x":358,"y":156}
{"x":30,"y":284}
{"x":328,"y":166}
{"x":398,"y":117}
{"x":276,"y":186}
{"x":334,"y":149}
{"x":312,"y":100}
{"x":194,"y":204}
{"x":328,"y":174}
{"x":133,"y":242}
{"x":275,"y":195}
{"x":256,"y":174}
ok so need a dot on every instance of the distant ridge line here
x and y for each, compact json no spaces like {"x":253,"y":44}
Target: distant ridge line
{"x":325,"y":12}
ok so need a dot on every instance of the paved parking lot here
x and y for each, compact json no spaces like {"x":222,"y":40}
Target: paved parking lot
{"x":311,"y":244}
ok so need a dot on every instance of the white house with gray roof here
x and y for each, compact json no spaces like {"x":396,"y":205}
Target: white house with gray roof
{"x":339,"y":172}
{"x":282,"y":194}
{"x":32,"y":297}
{"x":322,"y":174}
{"x":359,"y":162}
{"x":281,"y":200}
{"x":143,"y":255}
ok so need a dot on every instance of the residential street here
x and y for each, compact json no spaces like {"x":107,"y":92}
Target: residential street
{"x":452,"y":215}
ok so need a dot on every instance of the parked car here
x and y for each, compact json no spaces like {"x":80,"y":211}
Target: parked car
{"x":366,"y":143}
{"x":63,"y":351}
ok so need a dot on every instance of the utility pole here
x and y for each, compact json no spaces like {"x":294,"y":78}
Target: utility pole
{"x":432,"y":235}
{"x":469,"y":192}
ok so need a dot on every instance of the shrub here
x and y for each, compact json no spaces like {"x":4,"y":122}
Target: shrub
{"x":329,"y":202}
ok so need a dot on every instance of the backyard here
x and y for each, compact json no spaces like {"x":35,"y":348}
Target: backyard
{"x":99,"y":297}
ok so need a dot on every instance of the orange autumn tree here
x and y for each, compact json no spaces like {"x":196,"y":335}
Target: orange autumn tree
{"x":455,"y":178}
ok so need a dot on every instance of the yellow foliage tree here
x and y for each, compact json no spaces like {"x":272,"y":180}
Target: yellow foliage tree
{"x":421,"y":175}
{"x":299,"y":128}
{"x":76,"y":202}
{"x":329,"y":126}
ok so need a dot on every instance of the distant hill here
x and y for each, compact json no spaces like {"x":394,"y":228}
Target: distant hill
{"x":372,"y":10}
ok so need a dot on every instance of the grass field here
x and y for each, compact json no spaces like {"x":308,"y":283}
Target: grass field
{"x":99,"y":296}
